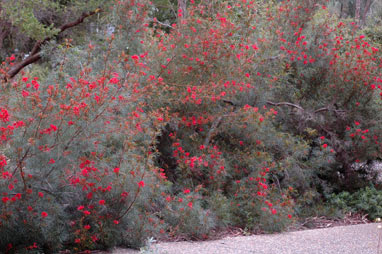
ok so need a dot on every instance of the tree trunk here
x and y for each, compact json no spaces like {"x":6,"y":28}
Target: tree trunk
{"x":357,"y":11}
{"x":4,"y":29}
{"x":341,"y":10}
{"x":3,"y":32}
{"x":345,"y":9}
{"x":182,"y":9}
{"x":366,"y":11}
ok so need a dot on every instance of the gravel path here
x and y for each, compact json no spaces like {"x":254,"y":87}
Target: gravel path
{"x":356,"y":239}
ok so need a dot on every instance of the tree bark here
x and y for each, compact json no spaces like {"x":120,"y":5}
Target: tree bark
{"x":3,"y":33}
{"x":341,"y":9}
{"x":4,"y":29}
{"x":366,"y":11}
{"x":357,"y":11}
{"x":182,"y":10}
{"x":345,"y":9}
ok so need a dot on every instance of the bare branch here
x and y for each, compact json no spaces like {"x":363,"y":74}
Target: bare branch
{"x":300,"y":108}
{"x":321,"y":110}
{"x":210,"y":132}
{"x":328,"y":109}
{"x":161,"y":23}
{"x":229,"y":102}
{"x":285,"y":104}
{"x":27,"y":61}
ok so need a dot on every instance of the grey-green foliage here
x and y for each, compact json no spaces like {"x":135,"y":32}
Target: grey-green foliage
{"x":367,"y":201}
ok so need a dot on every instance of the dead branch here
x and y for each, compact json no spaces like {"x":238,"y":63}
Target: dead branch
{"x":211,"y":131}
{"x":285,"y":104}
{"x":161,"y":23}
{"x":328,"y":109}
{"x":320,"y":110}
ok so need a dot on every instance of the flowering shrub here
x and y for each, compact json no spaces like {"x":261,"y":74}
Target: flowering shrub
{"x":77,"y":169}
{"x":156,"y":133}
{"x":71,"y":157}
{"x":332,"y":87}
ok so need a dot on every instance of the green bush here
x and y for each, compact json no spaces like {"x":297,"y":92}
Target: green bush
{"x":367,"y":200}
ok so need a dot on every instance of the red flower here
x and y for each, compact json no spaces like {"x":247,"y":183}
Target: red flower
{"x":186,"y":191}
{"x":44,"y":214}
{"x":116,"y":222}
{"x":4,"y":115}
{"x":87,"y":227}
{"x":141,"y":184}
{"x":53,"y":127}
{"x":101,"y":202}
{"x":190,"y":204}
{"x":5,"y":200}
{"x":25,"y":93}
{"x":40,"y":194}
{"x":116,"y":170}
{"x":114,"y":80}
